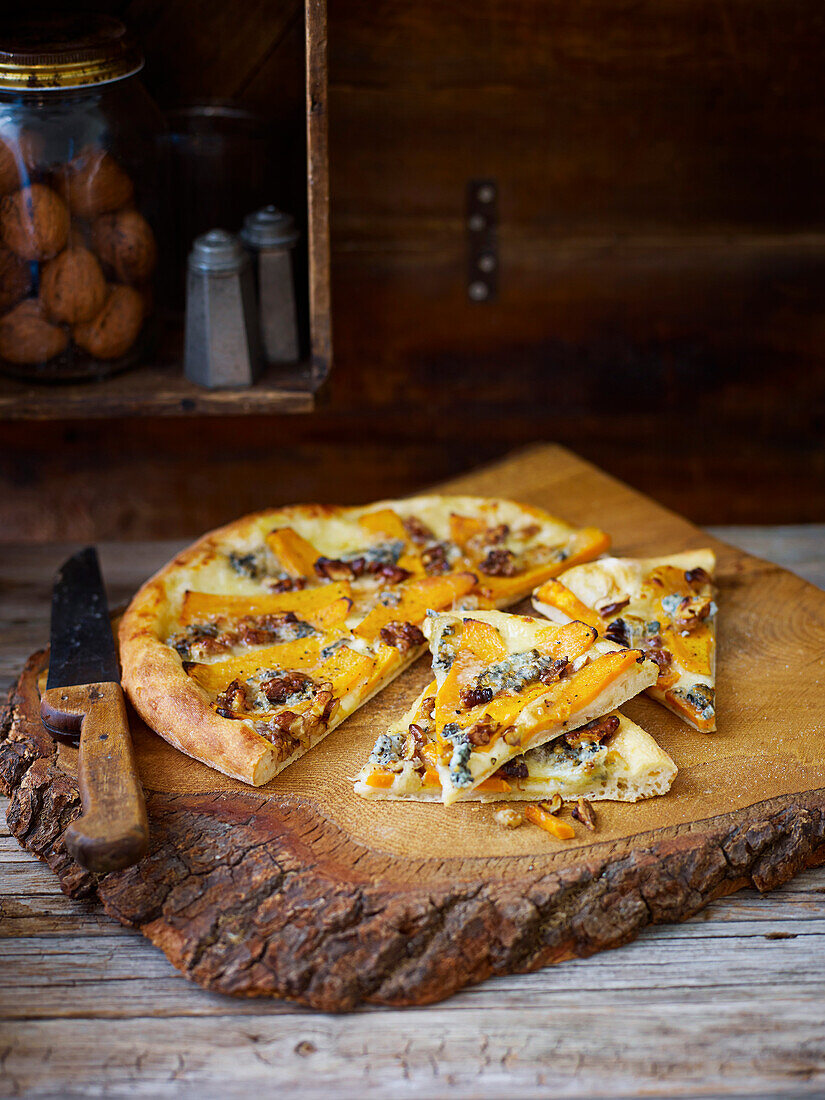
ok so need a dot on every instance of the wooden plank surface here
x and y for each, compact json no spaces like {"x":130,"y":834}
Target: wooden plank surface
{"x":728,"y":1004}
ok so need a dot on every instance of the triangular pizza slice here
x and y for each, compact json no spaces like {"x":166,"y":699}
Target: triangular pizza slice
{"x":663,"y":606}
{"x":609,"y":758}
{"x":506,"y":684}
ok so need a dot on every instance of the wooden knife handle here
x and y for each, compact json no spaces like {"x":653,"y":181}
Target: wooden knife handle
{"x":112,"y":832}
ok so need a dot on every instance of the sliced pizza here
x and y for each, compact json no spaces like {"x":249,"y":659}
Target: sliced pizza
{"x":609,"y":758}
{"x":662,"y":606}
{"x":506,"y":684}
{"x":254,"y":643}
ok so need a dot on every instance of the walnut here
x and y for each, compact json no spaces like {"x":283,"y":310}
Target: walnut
{"x":113,"y":331}
{"x":94,"y":183}
{"x":15,"y":279}
{"x":125,"y":243}
{"x":17,"y":158}
{"x":34,"y":222}
{"x":554,"y":806}
{"x":585,"y":813}
{"x":72,"y":286}
{"x":28,"y":336}
{"x":508,"y":818}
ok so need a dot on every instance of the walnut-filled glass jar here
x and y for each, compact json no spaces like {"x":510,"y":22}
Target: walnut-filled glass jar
{"x":78,"y":197}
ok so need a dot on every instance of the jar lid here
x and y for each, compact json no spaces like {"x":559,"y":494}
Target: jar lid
{"x":269,"y":228}
{"x":56,"y":52}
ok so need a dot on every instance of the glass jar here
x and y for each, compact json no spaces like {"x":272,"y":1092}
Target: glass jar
{"x":78,"y":199}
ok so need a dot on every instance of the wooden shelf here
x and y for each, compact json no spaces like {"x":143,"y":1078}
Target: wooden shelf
{"x":157,"y":390}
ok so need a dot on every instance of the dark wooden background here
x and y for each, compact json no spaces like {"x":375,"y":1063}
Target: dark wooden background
{"x":661,"y":167}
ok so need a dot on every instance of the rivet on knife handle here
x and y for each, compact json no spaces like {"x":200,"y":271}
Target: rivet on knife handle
{"x":112,"y":831}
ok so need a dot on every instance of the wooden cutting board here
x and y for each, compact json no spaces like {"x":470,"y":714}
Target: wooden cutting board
{"x":300,"y":889}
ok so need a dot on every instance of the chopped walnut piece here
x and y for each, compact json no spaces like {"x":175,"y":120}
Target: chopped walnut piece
{"x":404,"y":636}
{"x":585,"y":813}
{"x":481,"y":733}
{"x":697,"y":577}
{"x":617,"y":632}
{"x":278,"y":689}
{"x":231,"y":700}
{"x":611,"y":608}
{"x":392,"y":574}
{"x":419,"y":532}
{"x":416,"y":740}
{"x":494,"y":535}
{"x":554,"y":806}
{"x":691,"y":611}
{"x":662,"y":657}
{"x":508,"y":818}
{"x":513,"y":769}
{"x":287,"y":584}
{"x":476,"y":696}
{"x":434,"y":560}
{"x":555,"y":671}
{"x":499,"y":563}
{"x":336,"y":570}
{"x":428,"y":707}
{"x":597,"y":730}
{"x":511,"y":736}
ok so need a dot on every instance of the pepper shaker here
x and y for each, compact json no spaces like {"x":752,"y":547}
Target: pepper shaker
{"x":222,"y":342}
{"x":271,"y":235}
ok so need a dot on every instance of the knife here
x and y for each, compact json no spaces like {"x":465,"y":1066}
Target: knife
{"x":83,"y":702}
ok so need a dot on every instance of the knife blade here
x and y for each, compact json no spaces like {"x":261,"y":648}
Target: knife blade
{"x":83,"y":703}
{"x":82,"y":644}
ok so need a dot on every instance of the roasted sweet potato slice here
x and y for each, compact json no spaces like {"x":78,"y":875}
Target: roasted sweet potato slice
{"x":303,"y":653}
{"x":549,"y":822}
{"x":322,"y":606}
{"x":570,"y":640}
{"x":484,"y":640}
{"x":693,"y":651}
{"x":463,"y":528}
{"x":415,"y":599}
{"x":384,"y":522}
{"x":571,"y":696}
{"x":555,"y":594}
{"x":296,"y":555}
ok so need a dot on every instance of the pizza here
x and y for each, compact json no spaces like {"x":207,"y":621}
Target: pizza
{"x":609,"y":758}
{"x":259,"y":639}
{"x":663,"y":606}
{"x":504,"y":685}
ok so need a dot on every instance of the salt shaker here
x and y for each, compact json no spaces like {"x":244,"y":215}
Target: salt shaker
{"x":222,"y":341}
{"x":271,"y":235}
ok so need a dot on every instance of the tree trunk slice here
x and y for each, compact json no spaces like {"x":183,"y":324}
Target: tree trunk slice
{"x":301,"y":890}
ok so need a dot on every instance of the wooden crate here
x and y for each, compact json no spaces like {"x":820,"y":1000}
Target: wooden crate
{"x":159,"y":388}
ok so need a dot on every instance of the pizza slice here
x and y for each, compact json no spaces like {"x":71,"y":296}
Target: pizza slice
{"x":609,"y":758}
{"x":505,"y":684}
{"x":263,"y":636}
{"x":663,"y":606}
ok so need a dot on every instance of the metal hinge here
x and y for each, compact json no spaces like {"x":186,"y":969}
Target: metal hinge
{"x":482,"y":240}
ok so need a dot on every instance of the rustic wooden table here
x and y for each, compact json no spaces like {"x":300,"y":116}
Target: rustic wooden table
{"x":727,"y":1004}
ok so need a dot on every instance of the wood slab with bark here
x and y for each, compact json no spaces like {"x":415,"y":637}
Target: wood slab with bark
{"x":301,"y":890}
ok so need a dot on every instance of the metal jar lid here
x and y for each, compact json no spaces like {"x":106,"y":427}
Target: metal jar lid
{"x":217,"y":251}
{"x":269,"y":227}
{"x":57,"y":52}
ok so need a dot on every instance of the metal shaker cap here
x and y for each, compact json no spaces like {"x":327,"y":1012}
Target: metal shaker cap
{"x":217,"y":250}
{"x":269,"y":227}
